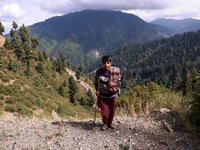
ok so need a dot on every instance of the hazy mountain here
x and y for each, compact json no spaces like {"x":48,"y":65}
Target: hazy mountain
{"x":179,"y":26}
{"x":158,"y":60}
{"x":83,"y":36}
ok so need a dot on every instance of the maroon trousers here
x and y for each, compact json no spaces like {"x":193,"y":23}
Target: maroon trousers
{"x":107,"y":106}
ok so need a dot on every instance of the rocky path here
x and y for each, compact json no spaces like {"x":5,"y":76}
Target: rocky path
{"x":84,"y":84}
{"x":143,"y":133}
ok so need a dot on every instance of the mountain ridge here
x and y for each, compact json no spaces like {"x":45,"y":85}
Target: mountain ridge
{"x":78,"y":34}
{"x":179,"y":26}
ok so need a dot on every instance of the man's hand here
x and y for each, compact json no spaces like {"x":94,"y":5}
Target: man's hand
{"x":111,"y":84}
{"x":97,"y":93}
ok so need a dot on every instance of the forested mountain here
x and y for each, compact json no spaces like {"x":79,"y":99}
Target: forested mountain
{"x":83,"y":36}
{"x":158,"y":60}
{"x":179,"y":26}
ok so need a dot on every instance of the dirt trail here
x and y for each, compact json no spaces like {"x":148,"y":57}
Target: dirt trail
{"x":143,"y":133}
{"x":84,"y":84}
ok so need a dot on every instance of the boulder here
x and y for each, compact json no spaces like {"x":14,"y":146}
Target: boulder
{"x":2,"y":41}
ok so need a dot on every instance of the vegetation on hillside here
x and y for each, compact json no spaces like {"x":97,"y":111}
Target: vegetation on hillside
{"x":158,"y":61}
{"x":148,"y":98}
{"x":32,"y":84}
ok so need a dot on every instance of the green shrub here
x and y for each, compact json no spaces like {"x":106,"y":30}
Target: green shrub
{"x":82,"y":101}
{"x":1,"y":96}
{"x":10,"y":100}
{"x":11,"y":75}
{"x":16,"y":87}
{"x":45,"y":75}
{"x":50,"y":88}
{"x":49,"y":109}
{"x":51,"y":105}
{"x":61,"y":109}
{"x":40,"y":67}
{"x":39,"y":102}
{"x":54,"y":75}
{"x":5,"y":90}
{"x":28,"y":103}
{"x":1,"y":74}
{"x":11,"y":108}
{"x":20,"y":82}
{"x":23,"y":109}
{"x":39,"y":81}
{"x":5,"y":78}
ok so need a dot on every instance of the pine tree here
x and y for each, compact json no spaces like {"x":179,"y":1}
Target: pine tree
{"x":7,"y":44}
{"x":65,"y":83}
{"x":10,"y":64}
{"x":40,"y":67}
{"x":187,"y":84}
{"x":194,"y":75}
{"x":15,"y":66}
{"x":17,"y":50}
{"x":81,"y":68}
{"x":29,"y":54}
{"x":74,"y":67}
{"x":195,"y":115}
{"x":82,"y":101}
{"x":40,"y":56}
{"x":12,"y":33}
{"x":1,"y":28}
{"x":73,"y":89}
{"x":92,"y":99}
{"x":15,"y":26}
{"x":51,"y":59}
{"x":24,"y":34}
{"x":78,"y":74}
{"x":61,"y":91}
{"x":34,"y":43}
{"x":45,"y":55}
{"x":68,"y":64}
{"x":177,"y":83}
{"x":63,"y":64}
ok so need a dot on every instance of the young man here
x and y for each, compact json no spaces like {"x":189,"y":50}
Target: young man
{"x":109,"y":83}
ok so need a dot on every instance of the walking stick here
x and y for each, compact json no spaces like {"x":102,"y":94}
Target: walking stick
{"x":95,"y":109}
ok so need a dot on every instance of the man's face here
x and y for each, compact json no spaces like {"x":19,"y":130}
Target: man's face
{"x":106,"y":65}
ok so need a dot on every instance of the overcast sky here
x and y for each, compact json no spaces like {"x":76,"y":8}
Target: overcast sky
{"x":29,"y":12}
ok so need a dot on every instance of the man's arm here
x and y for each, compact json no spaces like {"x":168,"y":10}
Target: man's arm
{"x":96,"y":84}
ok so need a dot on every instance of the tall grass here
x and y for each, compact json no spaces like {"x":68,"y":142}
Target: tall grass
{"x":146,"y":99}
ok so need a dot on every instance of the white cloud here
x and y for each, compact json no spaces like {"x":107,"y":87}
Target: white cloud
{"x":32,"y":11}
{"x":66,"y":6}
{"x":12,"y":11}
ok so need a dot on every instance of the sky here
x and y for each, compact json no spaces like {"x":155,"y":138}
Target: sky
{"x":28,"y":12}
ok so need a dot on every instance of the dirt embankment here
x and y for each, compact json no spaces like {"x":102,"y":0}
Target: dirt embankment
{"x":2,"y":40}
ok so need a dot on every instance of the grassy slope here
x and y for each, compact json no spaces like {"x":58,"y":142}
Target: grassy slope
{"x":24,"y":95}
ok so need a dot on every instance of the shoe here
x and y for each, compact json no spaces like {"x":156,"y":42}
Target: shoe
{"x":110,"y":126}
{"x":104,"y":127}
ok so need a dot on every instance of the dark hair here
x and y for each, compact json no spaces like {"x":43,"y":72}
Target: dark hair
{"x":106,"y":58}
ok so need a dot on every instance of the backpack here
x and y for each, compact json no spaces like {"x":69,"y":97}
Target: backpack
{"x":115,"y":76}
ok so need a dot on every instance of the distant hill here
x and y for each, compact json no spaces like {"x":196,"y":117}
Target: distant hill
{"x":83,"y":36}
{"x":179,"y":26}
{"x":158,"y":61}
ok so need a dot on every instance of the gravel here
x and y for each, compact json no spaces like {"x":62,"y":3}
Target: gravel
{"x":142,"y":133}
